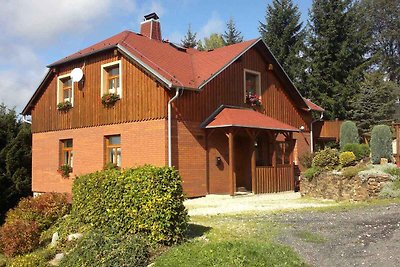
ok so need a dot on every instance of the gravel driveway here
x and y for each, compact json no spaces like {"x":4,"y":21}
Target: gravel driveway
{"x":223,"y":204}
{"x":368,"y":236}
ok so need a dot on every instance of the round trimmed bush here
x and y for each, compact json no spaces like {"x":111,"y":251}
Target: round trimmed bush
{"x":347,"y":158}
{"x":326,"y":159}
{"x":348,"y":134}
{"x":381,"y":143}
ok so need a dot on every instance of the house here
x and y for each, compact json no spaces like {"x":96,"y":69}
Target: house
{"x":228,"y":119}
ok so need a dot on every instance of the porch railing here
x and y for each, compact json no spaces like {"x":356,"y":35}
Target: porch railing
{"x":271,"y":179}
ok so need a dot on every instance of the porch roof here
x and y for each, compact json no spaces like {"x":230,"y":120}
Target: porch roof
{"x":230,"y":116}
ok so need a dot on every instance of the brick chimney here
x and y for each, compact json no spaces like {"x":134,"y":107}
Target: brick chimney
{"x":151,"y":27}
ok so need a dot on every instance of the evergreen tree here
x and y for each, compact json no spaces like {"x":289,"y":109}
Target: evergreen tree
{"x":383,"y":19}
{"x":337,"y":48}
{"x":189,"y":40}
{"x":232,"y":35}
{"x":283,"y":33}
{"x":375,"y":102}
{"x":15,"y":160}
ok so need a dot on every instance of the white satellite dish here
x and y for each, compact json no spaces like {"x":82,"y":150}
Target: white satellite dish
{"x":76,"y":74}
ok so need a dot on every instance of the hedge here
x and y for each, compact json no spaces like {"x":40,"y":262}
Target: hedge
{"x":146,"y":200}
{"x":326,"y":159}
{"x":361,"y":151}
{"x":347,"y":158}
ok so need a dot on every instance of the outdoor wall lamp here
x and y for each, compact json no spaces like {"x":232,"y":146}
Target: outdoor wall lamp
{"x":218,"y":161}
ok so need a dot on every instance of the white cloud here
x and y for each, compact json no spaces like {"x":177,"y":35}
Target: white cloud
{"x":213,"y":25}
{"x":41,"y":21}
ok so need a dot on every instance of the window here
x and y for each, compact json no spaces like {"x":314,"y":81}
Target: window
{"x":113,"y":150}
{"x":65,"y":89}
{"x":67,"y":152}
{"x":111,"y":82}
{"x":283,"y":152}
{"x":252,"y":84}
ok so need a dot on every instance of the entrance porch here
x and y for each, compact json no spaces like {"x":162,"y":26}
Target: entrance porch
{"x":248,"y":151}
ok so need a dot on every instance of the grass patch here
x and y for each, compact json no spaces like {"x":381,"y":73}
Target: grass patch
{"x":230,"y":253}
{"x":310,"y":237}
{"x":231,"y":240}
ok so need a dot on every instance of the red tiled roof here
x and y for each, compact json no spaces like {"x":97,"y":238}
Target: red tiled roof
{"x":187,"y":68}
{"x":241,"y":117}
{"x":313,"y":106}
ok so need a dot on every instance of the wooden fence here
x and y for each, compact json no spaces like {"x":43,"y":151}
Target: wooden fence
{"x":274,"y":179}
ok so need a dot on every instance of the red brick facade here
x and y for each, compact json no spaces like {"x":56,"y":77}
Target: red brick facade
{"x":141,"y":143}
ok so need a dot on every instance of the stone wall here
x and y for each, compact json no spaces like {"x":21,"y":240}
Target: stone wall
{"x":335,"y":186}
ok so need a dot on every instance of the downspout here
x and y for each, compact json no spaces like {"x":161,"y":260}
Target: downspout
{"x":312,"y":131}
{"x":170,"y":126}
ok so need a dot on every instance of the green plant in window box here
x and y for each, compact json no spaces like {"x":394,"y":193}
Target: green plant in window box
{"x":64,"y":106}
{"x":109,"y":99}
{"x":111,"y":166}
{"x":65,"y":170}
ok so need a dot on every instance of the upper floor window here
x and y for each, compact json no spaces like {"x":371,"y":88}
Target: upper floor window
{"x":111,"y":82}
{"x":67,"y":152}
{"x":65,"y":89}
{"x":252,"y":87}
{"x":113,"y":150}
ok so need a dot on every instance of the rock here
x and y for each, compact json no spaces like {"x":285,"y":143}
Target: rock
{"x":74,"y":236}
{"x":54,"y":239}
{"x":57,"y":259}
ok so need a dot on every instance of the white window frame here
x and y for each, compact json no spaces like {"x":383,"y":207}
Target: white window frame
{"x":60,"y":97}
{"x":104,"y":73}
{"x":258,"y":89}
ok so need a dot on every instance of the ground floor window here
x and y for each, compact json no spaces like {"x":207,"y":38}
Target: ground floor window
{"x":67,"y":152}
{"x":283,"y":151}
{"x":113,"y":150}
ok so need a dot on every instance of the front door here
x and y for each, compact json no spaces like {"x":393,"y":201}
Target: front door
{"x":243,"y":163}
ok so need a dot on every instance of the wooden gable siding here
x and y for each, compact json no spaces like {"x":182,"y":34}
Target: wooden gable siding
{"x":228,"y":88}
{"x":142,"y":98}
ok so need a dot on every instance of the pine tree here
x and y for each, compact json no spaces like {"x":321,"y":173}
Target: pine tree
{"x":375,"y":102}
{"x":383,"y":19}
{"x":189,"y":40}
{"x":283,"y":33}
{"x":232,"y":35}
{"x":337,"y":55}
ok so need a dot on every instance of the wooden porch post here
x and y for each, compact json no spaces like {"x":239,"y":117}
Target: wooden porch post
{"x":232,"y":177}
{"x":253,"y":136}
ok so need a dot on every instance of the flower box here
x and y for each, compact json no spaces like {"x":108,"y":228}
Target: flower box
{"x":64,"y":106}
{"x":109,"y":99}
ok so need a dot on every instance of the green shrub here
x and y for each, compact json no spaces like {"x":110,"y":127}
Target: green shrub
{"x":347,"y":158}
{"x":348,"y":134}
{"x":326,"y":159}
{"x":361,"y":151}
{"x":306,"y":159}
{"x":19,"y":237}
{"x":105,"y":248}
{"x":353,"y":171}
{"x":381,"y":143}
{"x":29,"y":260}
{"x":311,"y":173}
{"x":146,"y":200}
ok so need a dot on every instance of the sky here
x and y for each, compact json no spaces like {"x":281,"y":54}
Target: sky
{"x":34,"y":34}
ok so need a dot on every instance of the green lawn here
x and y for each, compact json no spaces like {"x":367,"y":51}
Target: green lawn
{"x":242,"y":240}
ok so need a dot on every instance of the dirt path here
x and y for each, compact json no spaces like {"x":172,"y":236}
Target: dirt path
{"x":367,"y":236}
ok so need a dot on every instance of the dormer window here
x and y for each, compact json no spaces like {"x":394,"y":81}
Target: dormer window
{"x":65,"y":90}
{"x":111,"y":82}
{"x":252,"y":87}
